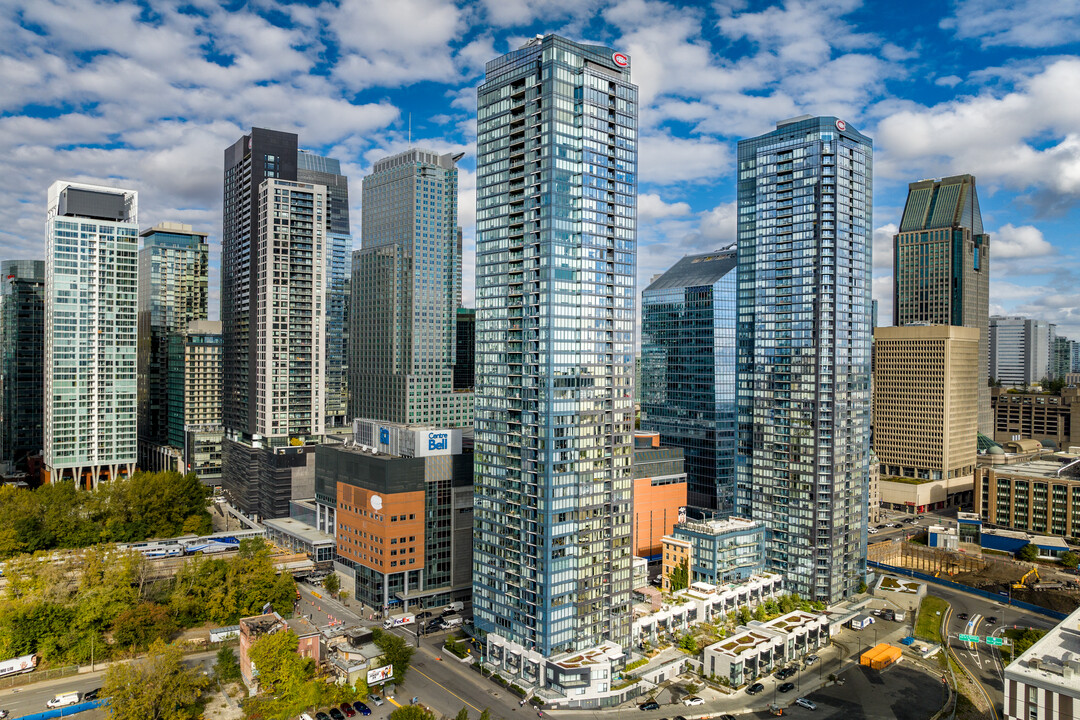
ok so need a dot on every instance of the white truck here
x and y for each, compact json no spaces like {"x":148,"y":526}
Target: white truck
{"x":399,"y":620}
{"x":456,"y":606}
{"x":449,"y":623}
{"x":63,"y":700}
{"x":18,"y":665}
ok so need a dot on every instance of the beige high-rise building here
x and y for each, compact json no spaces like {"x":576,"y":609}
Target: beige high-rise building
{"x":926,"y":401}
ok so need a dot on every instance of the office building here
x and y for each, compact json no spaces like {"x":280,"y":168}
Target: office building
{"x":803,"y":354}
{"x":1043,"y":682}
{"x":406,"y":292}
{"x":22,"y":360}
{"x":1019,"y":350}
{"x":926,"y":414}
{"x":91,"y":325}
{"x":1039,"y":495}
{"x":659,"y":493}
{"x":174,"y":265}
{"x":465,"y":353}
{"x":1061,"y":355}
{"x":273,"y":315}
{"x":1053,"y":420}
{"x":941,"y":257}
{"x":717,"y":551}
{"x":688,"y":371}
{"x":398,"y":501}
{"x":555,"y":266}
{"x":317,"y":170}
{"x":195,"y":410}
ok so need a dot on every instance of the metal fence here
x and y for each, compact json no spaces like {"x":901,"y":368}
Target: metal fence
{"x":974,"y":591}
{"x":66,"y":711}
{"x":37,"y":676}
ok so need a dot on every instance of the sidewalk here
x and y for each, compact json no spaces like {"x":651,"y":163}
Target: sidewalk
{"x":98,"y":670}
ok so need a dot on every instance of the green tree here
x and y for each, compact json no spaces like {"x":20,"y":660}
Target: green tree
{"x":463,"y":714}
{"x":158,"y":687}
{"x":362,"y":689}
{"x":688,"y":643}
{"x":1028,"y":553}
{"x":679,"y":578}
{"x":1070,"y":559}
{"x":759,"y":613}
{"x":141,"y":625}
{"x":227,"y":667}
{"x":332,"y":583}
{"x":282,"y":671}
{"x":412,"y":712}
{"x":1054,"y":387}
{"x":862,"y":587}
{"x":396,"y":651}
{"x":787,"y":604}
{"x":485,"y":715}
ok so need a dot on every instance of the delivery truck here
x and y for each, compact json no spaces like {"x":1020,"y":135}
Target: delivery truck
{"x":399,"y":620}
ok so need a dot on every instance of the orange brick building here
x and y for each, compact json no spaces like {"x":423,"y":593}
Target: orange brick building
{"x":659,"y":493}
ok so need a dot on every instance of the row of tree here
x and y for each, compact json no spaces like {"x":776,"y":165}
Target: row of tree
{"x":99,"y":603}
{"x":146,"y":505}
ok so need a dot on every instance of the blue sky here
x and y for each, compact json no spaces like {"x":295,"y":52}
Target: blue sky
{"x":147,"y":95}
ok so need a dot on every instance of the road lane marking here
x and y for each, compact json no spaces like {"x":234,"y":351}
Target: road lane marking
{"x":446,"y":689}
{"x":392,"y":700}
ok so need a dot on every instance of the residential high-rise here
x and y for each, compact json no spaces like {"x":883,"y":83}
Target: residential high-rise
{"x":688,"y":371}
{"x":1061,"y":355}
{"x":91,"y":307}
{"x":405,"y":294}
{"x":273,"y":315}
{"x":174,"y":265}
{"x":805,"y":194}
{"x":465,"y":352}
{"x":195,"y":364}
{"x":941,"y":257}
{"x":22,"y":359}
{"x":318,"y":170}
{"x":555,"y":268}
{"x":925,"y":414}
{"x":1019,"y":350}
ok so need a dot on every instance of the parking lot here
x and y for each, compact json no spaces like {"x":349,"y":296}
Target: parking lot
{"x":898,"y":693}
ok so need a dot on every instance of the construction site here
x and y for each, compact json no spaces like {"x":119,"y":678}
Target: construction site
{"x":1003,"y":576}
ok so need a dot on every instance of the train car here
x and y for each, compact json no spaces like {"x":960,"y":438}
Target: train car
{"x":19,"y":665}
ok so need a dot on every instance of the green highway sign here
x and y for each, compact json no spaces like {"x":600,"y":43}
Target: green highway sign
{"x":994,"y":641}
{"x":969,"y":638}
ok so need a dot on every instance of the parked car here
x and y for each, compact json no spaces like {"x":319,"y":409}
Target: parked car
{"x":693,"y":700}
{"x":63,"y":700}
{"x":755,"y":689}
{"x":680,"y":717}
{"x":423,"y":614}
{"x":337,"y":714}
{"x":362,"y":708}
{"x":91,"y":694}
{"x":3,"y":714}
{"x":896,"y":525}
{"x":321,"y":716}
{"x":811,"y":659}
{"x":348,"y":709}
{"x":305,"y":716}
{"x":786,"y":687}
{"x":881,"y":527}
{"x":806,"y":703}
{"x":727,"y":716}
{"x":872,"y":531}
{"x":650,"y":705}
{"x":785,"y":673}
{"x":375,"y":699}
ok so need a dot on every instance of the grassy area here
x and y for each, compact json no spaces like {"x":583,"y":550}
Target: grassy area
{"x":928,"y":624}
{"x":907,"y":480}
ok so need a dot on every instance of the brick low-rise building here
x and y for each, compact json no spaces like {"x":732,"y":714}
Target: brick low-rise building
{"x":1039,"y":496}
{"x":660,"y":489}
{"x":1050,"y":419}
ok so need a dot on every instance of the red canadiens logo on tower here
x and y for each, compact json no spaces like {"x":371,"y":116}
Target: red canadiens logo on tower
{"x":841,"y":125}
{"x":621,"y":60}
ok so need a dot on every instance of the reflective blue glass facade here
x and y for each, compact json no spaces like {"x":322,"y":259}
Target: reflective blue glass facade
{"x":555,"y":269}
{"x":688,"y":371}
{"x":803,"y":355}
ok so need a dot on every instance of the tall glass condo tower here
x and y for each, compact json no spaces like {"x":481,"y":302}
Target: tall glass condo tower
{"x":555,"y":268}
{"x":803,"y":349}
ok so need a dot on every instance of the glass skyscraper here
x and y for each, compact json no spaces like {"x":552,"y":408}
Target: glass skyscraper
{"x":555,"y":268}
{"x":91,"y":304}
{"x":22,"y":359}
{"x":405,"y":294}
{"x":318,"y":170}
{"x":941,"y":258}
{"x":803,"y":349}
{"x":688,"y":371}
{"x":174,"y":265}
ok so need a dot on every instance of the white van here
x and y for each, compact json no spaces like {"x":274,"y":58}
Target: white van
{"x":63,"y":700}
{"x":305,"y":716}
